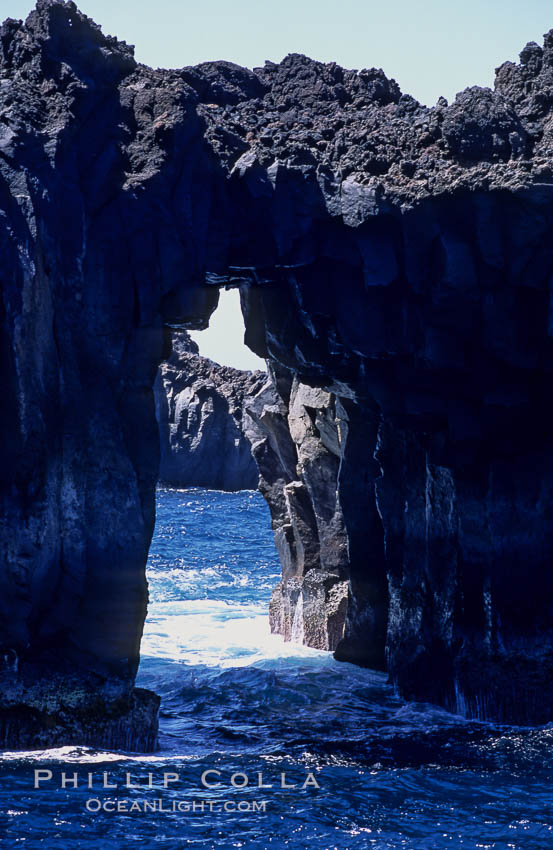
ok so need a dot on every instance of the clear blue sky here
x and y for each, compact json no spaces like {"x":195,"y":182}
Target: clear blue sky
{"x":223,"y":339}
{"x":431,"y":47}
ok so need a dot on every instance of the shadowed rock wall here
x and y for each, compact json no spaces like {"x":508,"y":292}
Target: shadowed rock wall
{"x":395,"y":267}
{"x":200,"y":412}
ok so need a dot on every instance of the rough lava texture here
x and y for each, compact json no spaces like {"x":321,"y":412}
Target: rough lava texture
{"x":395,"y":265}
{"x":299,"y":435}
{"x":201,"y":417}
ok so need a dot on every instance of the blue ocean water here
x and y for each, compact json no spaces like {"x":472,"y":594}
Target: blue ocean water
{"x":241,"y":703}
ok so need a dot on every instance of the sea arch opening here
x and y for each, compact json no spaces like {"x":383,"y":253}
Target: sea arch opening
{"x":296,"y":435}
{"x":222,"y":595}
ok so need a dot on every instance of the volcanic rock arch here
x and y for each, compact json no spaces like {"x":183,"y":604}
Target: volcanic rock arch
{"x":394,"y":263}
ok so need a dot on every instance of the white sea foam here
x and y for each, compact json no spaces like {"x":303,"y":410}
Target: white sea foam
{"x":215,"y":633}
{"x":88,"y":755}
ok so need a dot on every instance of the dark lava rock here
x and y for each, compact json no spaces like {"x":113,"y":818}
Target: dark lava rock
{"x":395,"y":265}
{"x":129,"y":724}
{"x":481,"y":124}
{"x":298,"y":434}
{"x":200,"y":412}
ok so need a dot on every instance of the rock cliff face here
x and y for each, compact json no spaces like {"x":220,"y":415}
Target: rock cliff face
{"x":200,"y":412}
{"x":395,"y":265}
{"x":299,"y":435}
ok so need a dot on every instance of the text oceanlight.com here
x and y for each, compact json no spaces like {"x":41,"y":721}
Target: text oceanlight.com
{"x":171,"y":806}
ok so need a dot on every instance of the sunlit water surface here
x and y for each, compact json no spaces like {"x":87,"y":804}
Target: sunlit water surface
{"x":238,"y":700}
